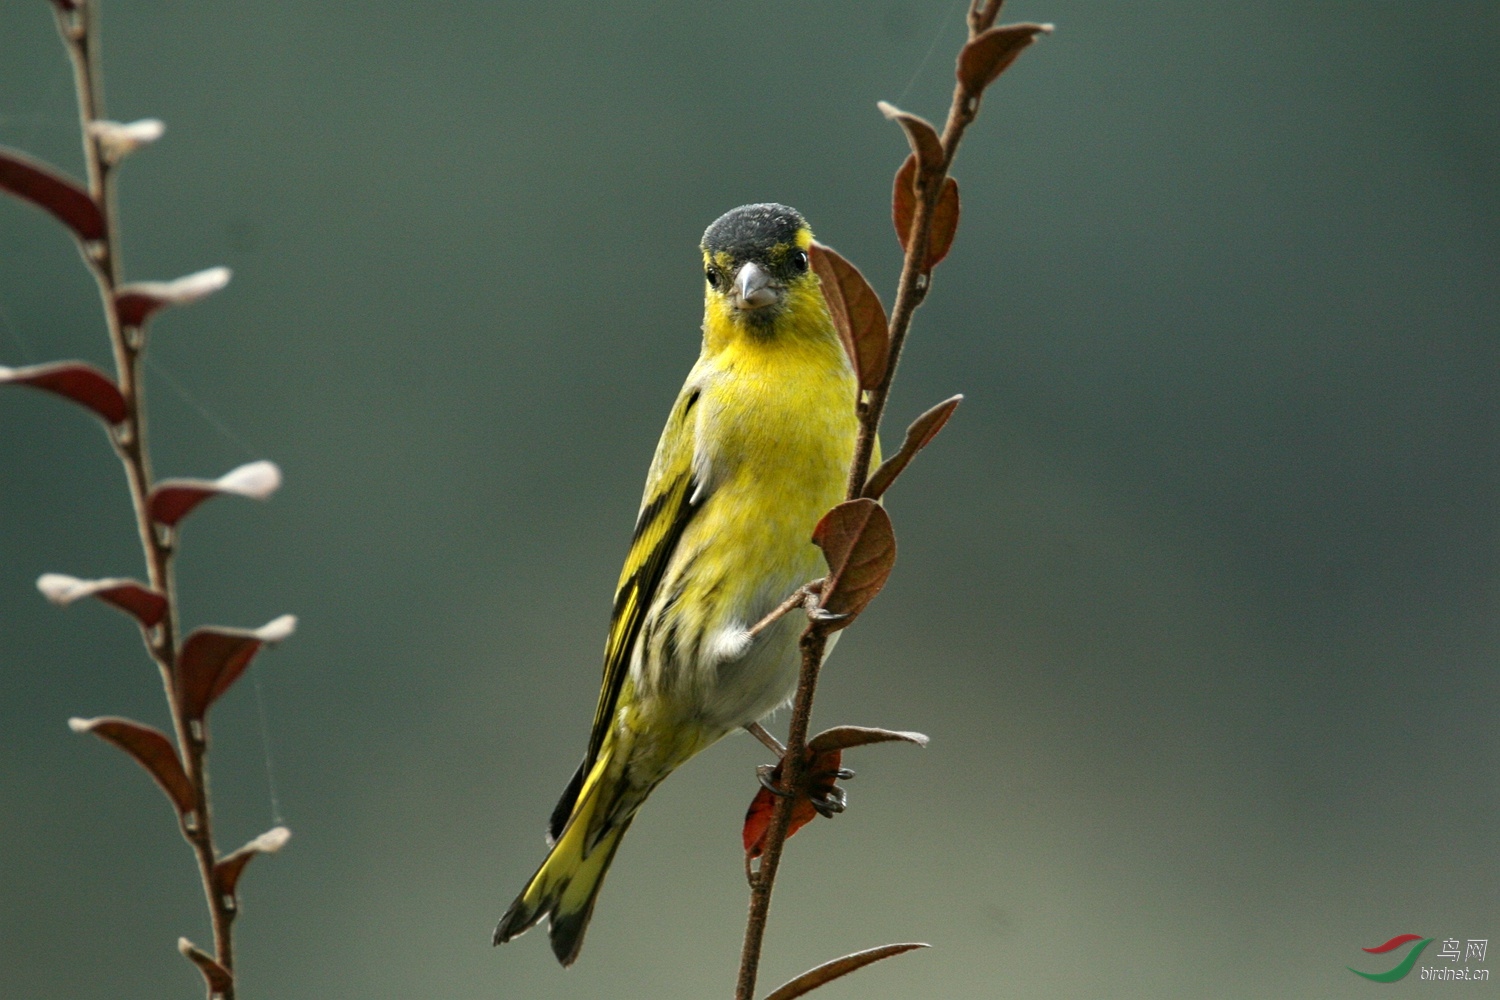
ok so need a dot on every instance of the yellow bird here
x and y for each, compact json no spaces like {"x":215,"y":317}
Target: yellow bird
{"x":757,"y":447}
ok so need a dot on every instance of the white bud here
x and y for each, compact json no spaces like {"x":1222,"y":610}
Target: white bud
{"x":256,"y":480}
{"x":276,"y":630}
{"x":117,"y":141}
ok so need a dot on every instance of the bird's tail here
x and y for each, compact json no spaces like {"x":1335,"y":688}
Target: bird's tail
{"x":567,"y":884}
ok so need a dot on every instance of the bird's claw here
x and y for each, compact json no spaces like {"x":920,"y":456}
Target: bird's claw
{"x":763,"y":775}
{"x":824,"y":615}
{"x":834,"y":802}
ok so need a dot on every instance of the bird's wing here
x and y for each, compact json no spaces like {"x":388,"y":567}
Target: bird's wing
{"x":673,"y":495}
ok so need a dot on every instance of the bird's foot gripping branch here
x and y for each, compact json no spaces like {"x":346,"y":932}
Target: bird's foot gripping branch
{"x":856,"y":536}
{"x":198,"y":670}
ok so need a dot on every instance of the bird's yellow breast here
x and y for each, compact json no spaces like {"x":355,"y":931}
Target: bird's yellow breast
{"x":775,"y":433}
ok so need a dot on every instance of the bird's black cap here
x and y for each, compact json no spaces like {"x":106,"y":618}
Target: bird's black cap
{"x":750,"y":230}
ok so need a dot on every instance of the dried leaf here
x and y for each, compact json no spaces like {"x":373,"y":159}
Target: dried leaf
{"x":172,"y":499}
{"x":829,"y":971}
{"x":990,"y":53}
{"x":821,"y":783}
{"x":36,"y":182}
{"x":844,"y":737}
{"x":860,"y":545}
{"x":944,"y":220}
{"x":83,"y":384}
{"x":136,"y":599}
{"x":117,"y":140}
{"x":150,"y":748}
{"x":212,"y":659}
{"x":925,"y":144}
{"x":219,"y":979}
{"x":135,"y":303}
{"x":227,"y":872}
{"x":922,"y":430}
{"x":857,"y":314}
{"x":944,"y":223}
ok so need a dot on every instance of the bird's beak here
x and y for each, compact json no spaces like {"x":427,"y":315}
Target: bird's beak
{"x":752,"y":288}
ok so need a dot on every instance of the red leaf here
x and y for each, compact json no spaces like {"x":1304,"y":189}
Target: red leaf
{"x":857,"y":314}
{"x":136,"y":599}
{"x":991,"y":52}
{"x":50,"y":191}
{"x":822,"y":782}
{"x":228,"y":870}
{"x":150,"y":748}
{"x":135,"y":303}
{"x":844,"y":737}
{"x":219,"y":979}
{"x":922,"y":430}
{"x":829,"y":971}
{"x":944,"y":218}
{"x":860,"y":545}
{"x":83,"y":384}
{"x":211,"y":659}
{"x":923,"y":138}
{"x":172,"y":499}
{"x":944,"y":223}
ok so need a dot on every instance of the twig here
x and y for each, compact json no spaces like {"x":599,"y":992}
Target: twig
{"x":77,"y":27}
{"x":912,"y":288}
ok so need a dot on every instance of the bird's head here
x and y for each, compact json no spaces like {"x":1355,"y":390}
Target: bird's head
{"x":755,"y":262}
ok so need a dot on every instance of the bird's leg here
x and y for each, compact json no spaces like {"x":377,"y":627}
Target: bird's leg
{"x":771,"y":743}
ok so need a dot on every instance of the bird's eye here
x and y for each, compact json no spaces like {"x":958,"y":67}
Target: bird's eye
{"x":799,"y":261}
{"x":712,"y":274}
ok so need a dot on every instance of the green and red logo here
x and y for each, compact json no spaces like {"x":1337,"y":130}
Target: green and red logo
{"x":1404,"y":966}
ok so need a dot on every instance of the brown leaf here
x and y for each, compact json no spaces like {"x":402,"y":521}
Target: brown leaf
{"x":991,"y":52}
{"x":83,"y":384}
{"x":145,"y":605}
{"x":920,"y":134}
{"x":844,"y":737}
{"x":904,"y":200}
{"x":944,"y":223}
{"x":944,"y":218}
{"x":211,"y":659}
{"x":821,"y":782}
{"x":829,"y":971}
{"x":172,"y":499}
{"x":857,"y":314}
{"x":227,"y":872}
{"x":50,"y":191}
{"x":219,"y":979}
{"x":922,"y":430}
{"x":860,"y":545}
{"x":150,"y":748}
{"x":135,"y":303}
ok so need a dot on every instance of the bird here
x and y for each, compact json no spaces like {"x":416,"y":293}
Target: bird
{"x":756,"y":448}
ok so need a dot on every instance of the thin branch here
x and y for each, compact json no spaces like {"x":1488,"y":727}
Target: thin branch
{"x":912,"y":288}
{"x":78,"y":28}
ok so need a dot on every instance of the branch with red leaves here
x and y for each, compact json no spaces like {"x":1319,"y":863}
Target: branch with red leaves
{"x":856,"y":537}
{"x":198,"y":670}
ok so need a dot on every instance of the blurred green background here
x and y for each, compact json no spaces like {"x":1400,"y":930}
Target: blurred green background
{"x":1197,"y":594}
